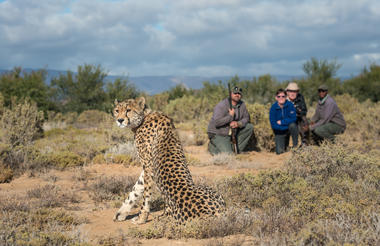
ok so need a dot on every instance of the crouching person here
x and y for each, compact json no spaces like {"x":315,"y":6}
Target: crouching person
{"x":327,"y":121}
{"x":283,"y":117}
{"x":224,"y":119}
{"x":295,"y":97}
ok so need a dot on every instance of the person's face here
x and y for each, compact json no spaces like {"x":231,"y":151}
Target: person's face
{"x":235,"y":96}
{"x":291,"y":94}
{"x":322,"y":93}
{"x":280,"y":98}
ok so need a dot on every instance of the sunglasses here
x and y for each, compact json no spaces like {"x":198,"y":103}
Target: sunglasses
{"x":322,"y":90}
{"x":237,"y":93}
{"x":280,"y":96}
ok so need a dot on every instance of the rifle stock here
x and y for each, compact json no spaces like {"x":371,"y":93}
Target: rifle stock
{"x":232,"y":131}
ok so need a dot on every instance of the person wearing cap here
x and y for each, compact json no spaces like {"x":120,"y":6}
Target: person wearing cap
{"x":224,"y":119}
{"x":295,"y":97}
{"x":327,"y":121}
{"x":283,"y":117}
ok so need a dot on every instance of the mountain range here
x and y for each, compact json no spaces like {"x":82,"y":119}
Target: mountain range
{"x":156,"y":84}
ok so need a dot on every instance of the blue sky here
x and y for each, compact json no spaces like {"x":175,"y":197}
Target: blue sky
{"x":202,"y":37}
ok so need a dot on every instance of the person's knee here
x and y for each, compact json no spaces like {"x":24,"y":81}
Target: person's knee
{"x":293,"y":126}
{"x":319,"y":132}
{"x":249,"y":127}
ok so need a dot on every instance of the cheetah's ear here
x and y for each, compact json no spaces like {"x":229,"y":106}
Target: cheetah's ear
{"x":116,"y":102}
{"x":141,"y":102}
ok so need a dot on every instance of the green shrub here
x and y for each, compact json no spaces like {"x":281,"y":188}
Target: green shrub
{"x":22,"y":124}
{"x":65,"y":159}
{"x":185,"y":108}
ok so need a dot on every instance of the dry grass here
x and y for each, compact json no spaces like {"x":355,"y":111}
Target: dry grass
{"x":110,"y":188}
{"x":25,"y":222}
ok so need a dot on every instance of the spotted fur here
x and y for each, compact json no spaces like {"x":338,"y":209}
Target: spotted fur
{"x":162,"y":157}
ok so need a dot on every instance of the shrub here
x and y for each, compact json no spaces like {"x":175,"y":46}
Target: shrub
{"x":319,"y":184}
{"x":64,"y":159}
{"x":185,"y":108}
{"x":22,"y":124}
{"x":6,"y":174}
{"x":1,"y":105}
{"x":22,"y":158}
{"x":23,"y":222}
{"x":92,"y":118}
{"x":50,"y":196}
{"x":108,"y":188}
{"x":262,"y":129}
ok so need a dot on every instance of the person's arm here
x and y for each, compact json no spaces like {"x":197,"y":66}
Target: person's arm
{"x":302,"y":106}
{"x":326,"y":115}
{"x":221,"y":115}
{"x":291,"y":115}
{"x":273,"y":120}
{"x":245,"y":117}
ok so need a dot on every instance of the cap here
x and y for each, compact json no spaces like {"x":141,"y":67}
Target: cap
{"x":236,"y":90}
{"x":323,"y":88}
{"x":292,"y":86}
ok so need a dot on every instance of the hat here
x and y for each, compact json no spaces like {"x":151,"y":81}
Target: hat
{"x":292,"y":86}
{"x":237,"y":90}
{"x":323,"y":88}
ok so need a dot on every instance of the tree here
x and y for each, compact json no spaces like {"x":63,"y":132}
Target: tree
{"x":18,"y":85}
{"x":81,"y":91}
{"x":366,"y":85}
{"x":120,"y":89}
{"x":320,"y":72}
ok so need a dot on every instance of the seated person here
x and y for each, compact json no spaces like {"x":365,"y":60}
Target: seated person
{"x":327,"y":121}
{"x":224,"y":119}
{"x":283,"y":117}
{"x":295,"y":97}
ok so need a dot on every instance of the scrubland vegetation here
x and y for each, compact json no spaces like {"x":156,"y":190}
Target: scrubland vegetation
{"x":323,"y":195}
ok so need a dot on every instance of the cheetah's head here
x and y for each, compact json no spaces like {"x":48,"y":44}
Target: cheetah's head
{"x":130,"y":113}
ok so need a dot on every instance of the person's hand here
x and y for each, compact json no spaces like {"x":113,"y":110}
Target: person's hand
{"x":279,"y":122}
{"x":305,"y":127}
{"x":234,"y":124}
{"x":231,"y":111}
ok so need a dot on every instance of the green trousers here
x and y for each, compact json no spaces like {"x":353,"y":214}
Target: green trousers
{"x":328,"y":131}
{"x":219,"y":144}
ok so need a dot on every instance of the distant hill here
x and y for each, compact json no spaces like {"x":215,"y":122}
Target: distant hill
{"x":157,"y":84}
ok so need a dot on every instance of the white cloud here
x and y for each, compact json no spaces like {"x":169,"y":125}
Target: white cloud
{"x":205,"y":37}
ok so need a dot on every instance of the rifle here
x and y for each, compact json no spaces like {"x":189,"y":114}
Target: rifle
{"x":232,"y":131}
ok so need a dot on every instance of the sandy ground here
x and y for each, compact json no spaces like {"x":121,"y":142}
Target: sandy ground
{"x":99,"y":216}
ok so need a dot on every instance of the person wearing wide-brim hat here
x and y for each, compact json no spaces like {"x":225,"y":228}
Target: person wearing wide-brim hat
{"x":230,"y":113}
{"x":327,"y":120}
{"x":295,"y":97}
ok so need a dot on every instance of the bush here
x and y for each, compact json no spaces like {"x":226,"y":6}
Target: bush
{"x":22,"y":124}
{"x":108,"y":188}
{"x":65,"y":159}
{"x":325,"y":183}
{"x":185,"y":108}
{"x":92,"y":118}
{"x":24,"y":222}
{"x":363,"y":122}
{"x":262,"y":129}
{"x":6,"y":174}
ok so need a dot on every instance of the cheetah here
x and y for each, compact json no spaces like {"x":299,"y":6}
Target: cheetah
{"x":164,"y":164}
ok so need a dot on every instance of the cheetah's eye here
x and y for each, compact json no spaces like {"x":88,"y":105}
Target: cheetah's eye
{"x":128,"y":110}
{"x":116,"y":111}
